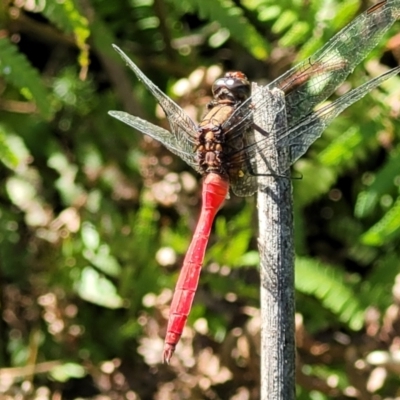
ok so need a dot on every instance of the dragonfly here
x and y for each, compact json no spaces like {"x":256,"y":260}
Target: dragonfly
{"x":222,"y":147}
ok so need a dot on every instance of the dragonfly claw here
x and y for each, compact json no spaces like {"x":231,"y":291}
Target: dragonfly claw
{"x":168,"y":352}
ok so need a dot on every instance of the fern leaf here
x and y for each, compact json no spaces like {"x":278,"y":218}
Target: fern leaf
{"x":317,"y":180}
{"x":66,"y":16}
{"x":296,"y":34}
{"x":231,"y":17}
{"x":385,"y":229}
{"x":286,"y":19}
{"x":331,"y":18}
{"x":7,"y":155}
{"x":383,"y":182}
{"x":269,"y":13}
{"x":345,"y":12}
{"x":340,"y":152}
{"x":378,"y":285}
{"x":328,"y":285}
{"x":103,"y":38}
{"x":17,"y":71}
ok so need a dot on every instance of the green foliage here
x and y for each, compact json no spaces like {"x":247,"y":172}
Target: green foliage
{"x":16,"y":70}
{"x":376,"y":289}
{"x":96,"y":288}
{"x":344,"y":13}
{"x":62,"y":373}
{"x":382,"y":183}
{"x":66,"y":16}
{"x":386,"y":229}
{"x":233,"y":238}
{"x":95,"y":219}
{"x":231,"y":18}
{"x":7,"y":156}
{"x":329,"y":285}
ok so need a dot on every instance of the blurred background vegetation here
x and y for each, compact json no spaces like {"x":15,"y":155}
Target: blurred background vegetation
{"x":95,"y":218}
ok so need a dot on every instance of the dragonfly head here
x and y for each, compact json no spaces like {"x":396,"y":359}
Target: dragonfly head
{"x":234,"y":86}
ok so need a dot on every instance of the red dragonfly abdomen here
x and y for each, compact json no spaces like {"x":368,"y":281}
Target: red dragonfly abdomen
{"x":215,"y":191}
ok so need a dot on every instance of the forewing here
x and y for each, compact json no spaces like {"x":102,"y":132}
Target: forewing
{"x":311,"y":127}
{"x":251,"y":160}
{"x":313,"y":80}
{"x":158,"y":133}
{"x":316,"y":78}
{"x":242,"y":177}
{"x":182,"y":138}
{"x":298,"y":139}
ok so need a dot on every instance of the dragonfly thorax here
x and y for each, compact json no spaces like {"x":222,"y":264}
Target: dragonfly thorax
{"x":229,"y":93}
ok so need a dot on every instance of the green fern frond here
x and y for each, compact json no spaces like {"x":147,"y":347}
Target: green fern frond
{"x":314,"y":6}
{"x":308,"y":48}
{"x":269,"y":13}
{"x":145,"y":226}
{"x":286,"y":19}
{"x":295,"y":35}
{"x":234,"y":237}
{"x":346,"y":141}
{"x":231,"y":17}
{"x":383,"y":182}
{"x":103,"y":38}
{"x":386,"y":229}
{"x":328,"y":284}
{"x":379,"y":283}
{"x":330,"y":16}
{"x":345,"y":12}
{"x":66,"y":16}
{"x":340,"y":152}
{"x":7,"y":155}
{"x":316,"y":180}
{"x":143,"y":241}
{"x":16,"y":70}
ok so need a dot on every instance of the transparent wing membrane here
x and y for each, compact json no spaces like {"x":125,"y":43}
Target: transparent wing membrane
{"x":305,"y":86}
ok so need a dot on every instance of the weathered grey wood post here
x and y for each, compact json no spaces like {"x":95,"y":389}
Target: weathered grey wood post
{"x":276,"y":255}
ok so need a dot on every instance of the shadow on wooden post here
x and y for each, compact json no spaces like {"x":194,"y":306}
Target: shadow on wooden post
{"x":276,"y":255}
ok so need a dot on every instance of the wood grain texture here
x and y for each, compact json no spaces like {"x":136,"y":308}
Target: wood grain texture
{"x":276,"y":258}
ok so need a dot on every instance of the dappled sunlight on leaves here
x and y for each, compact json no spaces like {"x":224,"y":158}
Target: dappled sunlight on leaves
{"x":22,"y":192}
{"x":209,"y":365}
{"x":166,"y":191}
{"x":151,"y":350}
{"x":95,"y":219}
{"x":98,"y":289}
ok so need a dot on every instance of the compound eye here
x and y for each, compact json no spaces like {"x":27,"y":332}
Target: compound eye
{"x":241,"y":89}
{"x":218,"y":84}
{"x":234,"y":82}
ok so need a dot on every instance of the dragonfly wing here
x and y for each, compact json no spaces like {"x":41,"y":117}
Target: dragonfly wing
{"x":243,"y":175}
{"x":316,"y":78}
{"x":253,"y":159}
{"x":160,"y":134}
{"x":294,"y":141}
{"x":182,"y":138}
{"x":245,"y":186}
{"x":298,"y":139}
